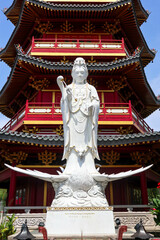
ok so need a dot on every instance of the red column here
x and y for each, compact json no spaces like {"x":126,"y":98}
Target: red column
{"x":12,"y":188}
{"x":144,"y":188}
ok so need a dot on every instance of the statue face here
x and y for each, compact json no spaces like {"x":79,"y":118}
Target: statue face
{"x":79,"y":71}
{"x":79,"y":74}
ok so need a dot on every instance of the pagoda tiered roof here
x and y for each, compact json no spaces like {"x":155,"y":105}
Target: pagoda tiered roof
{"x":103,"y":140}
{"x":26,"y":66}
{"x":13,"y":11}
{"x":148,"y":143}
{"x":31,"y":10}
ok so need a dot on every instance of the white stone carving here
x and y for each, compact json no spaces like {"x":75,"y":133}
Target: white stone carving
{"x":83,"y":45}
{"x":67,"y":45}
{"x":116,"y":110}
{"x":111,"y":45}
{"x":92,"y":224}
{"x":58,"y":110}
{"x":44,"y":45}
{"x":40,"y":110}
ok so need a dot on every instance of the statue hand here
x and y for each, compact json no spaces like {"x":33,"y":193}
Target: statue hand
{"x":60,"y":80}
{"x":60,"y":83}
{"x":90,"y":106}
{"x":69,"y":92}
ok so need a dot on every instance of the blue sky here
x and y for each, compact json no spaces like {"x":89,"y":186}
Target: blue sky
{"x":150,"y":30}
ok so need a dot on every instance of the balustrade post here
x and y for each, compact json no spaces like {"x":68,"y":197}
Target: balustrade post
{"x":123,"y":44}
{"x":130,"y":110}
{"x":32,"y":43}
{"x":56,"y":42}
{"x":26,"y":111}
{"x":52,"y":110}
{"x":78,"y":45}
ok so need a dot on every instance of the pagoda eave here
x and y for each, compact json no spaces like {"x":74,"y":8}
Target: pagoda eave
{"x":107,"y":140}
{"x":113,"y":10}
{"x":14,"y":10}
{"x":12,"y":13}
{"x":28,"y":66}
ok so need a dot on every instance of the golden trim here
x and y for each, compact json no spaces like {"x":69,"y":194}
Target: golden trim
{"x":121,"y":166}
{"x":117,"y":107}
{"x":50,"y":90}
{"x":75,"y":54}
{"x":42,"y":113}
{"x":115,"y":122}
{"x":57,"y":166}
{"x":102,"y":96}
{"x":53,"y":97}
{"x":109,"y":208}
{"x":61,"y":122}
{"x":42,"y":122}
{"x":111,"y":193}
{"x":56,"y":90}
{"x":38,"y":166}
{"x":103,"y":91}
{"x":116,"y":114}
{"x":34,"y":107}
{"x":45,"y":195}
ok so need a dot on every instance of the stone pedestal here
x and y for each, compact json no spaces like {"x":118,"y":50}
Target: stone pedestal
{"x":78,"y":222}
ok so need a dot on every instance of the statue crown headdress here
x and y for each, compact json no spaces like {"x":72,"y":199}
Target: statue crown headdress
{"x":79,"y":61}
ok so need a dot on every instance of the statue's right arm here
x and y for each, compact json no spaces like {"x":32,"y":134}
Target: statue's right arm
{"x":61,"y":85}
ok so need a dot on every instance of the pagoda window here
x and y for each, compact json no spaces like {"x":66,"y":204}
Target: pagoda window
{"x":74,"y":37}
{"x":43,"y":97}
{"x":47,"y":97}
{"x":57,"y":97}
{"x":20,"y":196}
{"x":111,"y":97}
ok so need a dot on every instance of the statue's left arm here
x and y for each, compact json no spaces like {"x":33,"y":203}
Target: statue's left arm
{"x":95,"y":105}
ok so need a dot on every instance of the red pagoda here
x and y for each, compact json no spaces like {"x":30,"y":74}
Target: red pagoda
{"x":48,"y":36}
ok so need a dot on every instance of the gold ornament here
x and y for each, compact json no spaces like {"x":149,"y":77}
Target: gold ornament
{"x":93,"y":82}
{"x":117,"y":84}
{"x":16,"y":157}
{"x":92,"y":60}
{"x":88,"y":27}
{"x":46,"y":157}
{"x":44,"y":27}
{"x":59,"y":130}
{"x":142,"y":158}
{"x":111,"y":28}
{"x":33,"y":130}
{"x":123,"y":131}
{"x":39,"y":84}
{"x":64,"y":60}
{"x":111,"y":157}
{"x":66,"y":27}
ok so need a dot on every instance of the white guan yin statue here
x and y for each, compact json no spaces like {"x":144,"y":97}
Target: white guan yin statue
{"x":79,"y":184}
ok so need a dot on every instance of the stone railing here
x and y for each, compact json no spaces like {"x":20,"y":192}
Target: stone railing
{"x":128,"y":218}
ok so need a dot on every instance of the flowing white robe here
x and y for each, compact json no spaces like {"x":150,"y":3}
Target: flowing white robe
{"x":80,"y":120}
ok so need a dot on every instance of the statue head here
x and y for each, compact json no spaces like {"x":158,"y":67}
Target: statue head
{"x":79,"y":71}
